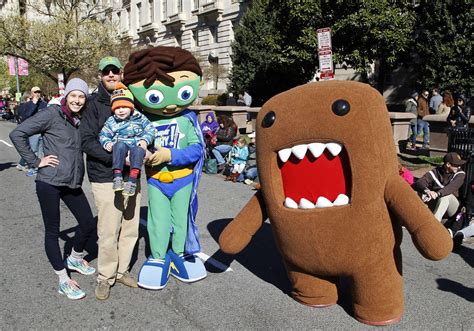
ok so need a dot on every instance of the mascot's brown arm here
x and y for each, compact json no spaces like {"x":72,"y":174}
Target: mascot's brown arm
{"x":238,"y":233}
{"x":429,"y":236}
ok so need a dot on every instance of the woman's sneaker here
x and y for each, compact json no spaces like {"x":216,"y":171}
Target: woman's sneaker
{"x":71,"y":289}
{"x":81,"y":266}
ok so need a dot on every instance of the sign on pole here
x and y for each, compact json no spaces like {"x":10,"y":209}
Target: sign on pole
{"x":325,"y":54}
{"x":22,"y":67}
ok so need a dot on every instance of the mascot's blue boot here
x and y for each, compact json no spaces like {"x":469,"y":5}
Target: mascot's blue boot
{"x":186,"y":267}
{"x":154,"y":273}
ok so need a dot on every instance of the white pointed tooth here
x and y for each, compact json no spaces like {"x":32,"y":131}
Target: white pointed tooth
{"x":299,"y":151}
{"x":316,"y":149}
{"x":334,"y":148}
{"x":341,"y":200}
{"x":284,"y":154}
{"x":305,"y":204}
{"x":323,"y":203}
{"x":290,"y":203}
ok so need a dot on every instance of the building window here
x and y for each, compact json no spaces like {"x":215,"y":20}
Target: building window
{"x":196,"y":38}
{"x":180,"y":6}
{"x":195,"y":4}
{"x":127,"y":19}
{"x":164,"y":10}
{"x":151,"y":10}
{"x":139,"y":14}
{"x":213,"y":34}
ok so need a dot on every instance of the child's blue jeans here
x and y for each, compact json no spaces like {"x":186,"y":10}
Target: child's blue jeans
{"x":119,"y":153}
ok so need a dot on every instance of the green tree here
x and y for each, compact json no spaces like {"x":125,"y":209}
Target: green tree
{"x":372,"y":31}
{"x":70,"y":36}
{"x":444,"y":45}
{"x":274,"y":47}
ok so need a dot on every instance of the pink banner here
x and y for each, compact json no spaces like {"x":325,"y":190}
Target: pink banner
{"x":22,"y":66}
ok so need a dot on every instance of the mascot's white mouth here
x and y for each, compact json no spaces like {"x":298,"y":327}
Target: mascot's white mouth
{"x":315,"y":175}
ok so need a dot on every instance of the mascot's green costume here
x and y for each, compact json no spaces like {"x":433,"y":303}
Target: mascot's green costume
{"x":164,"y":81}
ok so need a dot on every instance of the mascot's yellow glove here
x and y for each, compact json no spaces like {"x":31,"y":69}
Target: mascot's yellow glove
{"x":160,"y":156}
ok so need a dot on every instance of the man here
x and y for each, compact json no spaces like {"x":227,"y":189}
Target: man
{"x":118,"y":217}
{"x":435,"y":100}
{"x":411,"y":107}
{"x":35,"y":104}
{"x":440,"y":186}
{"x":423,"y":110}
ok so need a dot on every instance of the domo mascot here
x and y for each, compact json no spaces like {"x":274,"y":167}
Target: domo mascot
{"x":164,"y":81}
{"x":335,"y":200}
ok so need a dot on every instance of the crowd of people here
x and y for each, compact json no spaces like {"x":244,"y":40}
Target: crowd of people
{"x":421,"y":104}
{"x":48,"y":136}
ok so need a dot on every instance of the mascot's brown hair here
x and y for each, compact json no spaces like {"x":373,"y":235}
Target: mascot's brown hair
{"x":330,"y":186}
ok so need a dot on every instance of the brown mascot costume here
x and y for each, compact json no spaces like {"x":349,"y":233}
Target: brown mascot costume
{"x":331,"y":188}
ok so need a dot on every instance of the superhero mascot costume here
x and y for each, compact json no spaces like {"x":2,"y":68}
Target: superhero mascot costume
{"x":164,"y":81}
{"x":330,"y":185}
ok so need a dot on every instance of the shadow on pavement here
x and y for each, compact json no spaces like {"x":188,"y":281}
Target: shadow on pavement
{"x":467,"y":255}
{"x":91,"y":245}
{"x":8,"y":165}
{"x":261,"y":257}
{"x":460,"y":290}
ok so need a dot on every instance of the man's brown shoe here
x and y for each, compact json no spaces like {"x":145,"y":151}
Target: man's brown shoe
{"x":127,"y":280}
{"x":102,"y":290}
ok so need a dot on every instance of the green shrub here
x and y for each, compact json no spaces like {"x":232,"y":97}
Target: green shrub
{"x":221,"y":99}
{"x":209,"y":100}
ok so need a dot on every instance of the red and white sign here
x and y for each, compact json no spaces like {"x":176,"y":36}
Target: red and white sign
{"x":325,"y":61}
{"x":324,"y":39}
{"x":326,"y":75}
{"x":22,"y":66}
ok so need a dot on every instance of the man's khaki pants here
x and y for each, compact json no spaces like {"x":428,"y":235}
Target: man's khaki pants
{"x":445,"y":204}
{"x":117,"y":229}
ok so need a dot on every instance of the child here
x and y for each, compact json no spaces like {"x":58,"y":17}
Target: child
{"x":239,"y":154}
{"x":126,"y":131}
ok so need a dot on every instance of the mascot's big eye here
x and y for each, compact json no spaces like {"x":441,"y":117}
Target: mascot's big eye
{"x":154,"y":97}
{"x":185,"y":93}
{"x":269,"y":119}
{"x":341,"y":107}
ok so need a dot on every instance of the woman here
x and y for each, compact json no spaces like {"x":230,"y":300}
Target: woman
{"x":225,"y":136}
{"x":445,"y":106}
{"x":460,"y":114}
{"x":60,"y":174}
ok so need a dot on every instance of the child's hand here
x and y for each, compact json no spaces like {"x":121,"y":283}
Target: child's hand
{"x":143,"y":144}
{"x":108,"y":147}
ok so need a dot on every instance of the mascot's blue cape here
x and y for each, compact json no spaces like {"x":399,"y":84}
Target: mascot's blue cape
{"x":192,"y":238}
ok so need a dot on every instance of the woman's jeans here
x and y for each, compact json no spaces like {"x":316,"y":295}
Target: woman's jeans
{"x":220,"y":151}
{"x":425,"y":126}
{"x":76,"y":201}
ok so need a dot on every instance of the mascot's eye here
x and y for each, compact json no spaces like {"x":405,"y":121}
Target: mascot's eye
{"x":341,"y":107}
{"x":154,"y":97}
{"x":269,"y":119}
{"x":185,"y":93}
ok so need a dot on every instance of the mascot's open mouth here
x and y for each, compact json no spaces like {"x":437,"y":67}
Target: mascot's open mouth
{"x":315,"y":175}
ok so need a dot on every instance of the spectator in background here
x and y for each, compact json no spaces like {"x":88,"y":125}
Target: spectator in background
{"x":247,"y":99}
{"x":435,"y":101}
{"x":441,"y":186}
{"x":225,"y":138}
{"x":250,"y":174}
{"x":231,"y":100}
{"x":460,"y":114}
{"x":411,"y":106}
{"x":20,"y":109}
{"x":444,"y":107}
{"x":423,"y":110}
{"x":210,"y":125}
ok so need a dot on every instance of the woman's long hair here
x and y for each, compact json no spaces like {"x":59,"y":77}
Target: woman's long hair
{"x":448,"y":99}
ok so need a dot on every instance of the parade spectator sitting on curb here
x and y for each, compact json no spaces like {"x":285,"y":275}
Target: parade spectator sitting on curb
{"x":225,"y":137}
{"x":210,"y":125}
{"x":127,"y":131}
{"x":249,"y":175}
{"x":439,"y":187}
{"x":239,"y":154}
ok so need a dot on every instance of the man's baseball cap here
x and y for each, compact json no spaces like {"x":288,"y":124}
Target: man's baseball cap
{"x":35,"y":89}
{"x":109,"y":61}
{"x":454,"y":159}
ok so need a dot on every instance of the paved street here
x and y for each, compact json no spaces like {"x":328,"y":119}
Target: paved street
{"x":251,"y":294}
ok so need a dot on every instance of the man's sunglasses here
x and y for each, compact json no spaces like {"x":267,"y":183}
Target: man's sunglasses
{"x":108,"y":69}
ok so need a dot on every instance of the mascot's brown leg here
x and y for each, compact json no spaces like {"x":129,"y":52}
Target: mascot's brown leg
{"x":378,"y":294}
{"x":313,"y":291}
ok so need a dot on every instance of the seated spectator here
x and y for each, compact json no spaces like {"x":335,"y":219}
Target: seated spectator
{"x":239,"y":154}
{"x":210,"y":125}
{"x":225,"y":136}
{"x":440,"y":187}
{"x":249,"y":175}
{"x":231,"y":100}
{"x":445,"y":106}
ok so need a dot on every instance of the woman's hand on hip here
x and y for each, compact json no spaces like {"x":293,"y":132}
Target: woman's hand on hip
{"x":49,"y":161}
